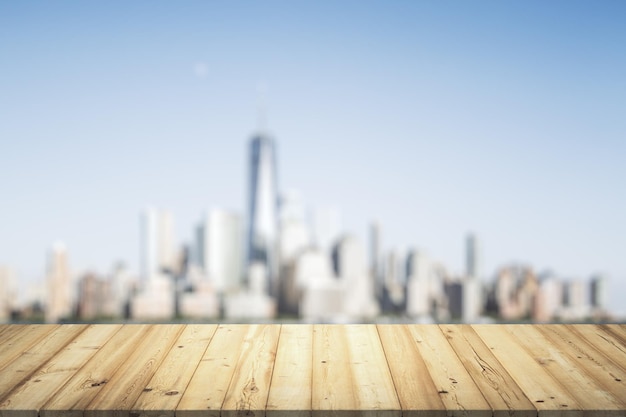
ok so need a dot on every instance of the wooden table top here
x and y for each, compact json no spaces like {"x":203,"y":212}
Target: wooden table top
{"x":336,"y":370}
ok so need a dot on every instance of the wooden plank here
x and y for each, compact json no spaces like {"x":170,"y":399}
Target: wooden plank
{"x":616,"y":330}
{"x":165,"y":389}
{"x":7,"y":330}
{"x":36,"y":355}
{"x":21,"y":339}
{"x":457,"y":389}
{"x":342,"y":371}
{"x":26,"y":399}
{"x":290,"y":389}
{"x":545,"y":392}
{"x":621,"y":328}
{"x":117,"y":397}
{"x":332,"y":382}
{"x":78,"y":392}
{"x":495,"y":383}
{"x":588,"y":393}
{"x":605,"y":342}
{"x":416,"y":390}
{"x":249,"y":387}
{"x":206,"y":391}
{"x":376,"y":391}
{"x":587,"y":358}
{"x":347,"y":376}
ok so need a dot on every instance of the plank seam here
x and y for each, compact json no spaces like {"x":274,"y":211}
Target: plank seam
{"x":36,"y":340}
{"x":69,"y":381}
{"x":280,"y":331}
{"x":27,"y":377}
{"x":97,"y":397}
{"x":77,"y":370}
{"x":614,"y":334}
{"x":556,"y":381}
{"x":194,"y":371}
{"x":395,"y":389}
{"x":230,"y":381}
{"x":551,"y":334}
{"x":504,"y":369}
{"x":599,"y":347}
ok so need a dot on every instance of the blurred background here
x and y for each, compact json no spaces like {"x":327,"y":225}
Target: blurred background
{"x":363,"y":161}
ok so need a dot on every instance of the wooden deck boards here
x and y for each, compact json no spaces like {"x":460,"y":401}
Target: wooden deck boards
{"x":312,"y":370}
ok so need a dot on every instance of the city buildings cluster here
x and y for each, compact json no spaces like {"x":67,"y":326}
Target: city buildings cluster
{"x":277,"y":264}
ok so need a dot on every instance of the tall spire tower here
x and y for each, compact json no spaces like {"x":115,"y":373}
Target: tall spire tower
{"x":263,"y":204}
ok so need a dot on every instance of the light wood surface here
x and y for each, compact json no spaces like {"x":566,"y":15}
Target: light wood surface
{"x":232,"y":370}
{"x":250,"y":385}
{"x":290,"y":389}
{"x":491,"y":377}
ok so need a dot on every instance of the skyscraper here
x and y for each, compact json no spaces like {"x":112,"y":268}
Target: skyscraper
{"x":221,"y":246}
{"x":375,"y":258}
{"x":473,"y":256}
{"x":157,"y":244}
{"x":7,"y":292}
{"x":351,"y":264}
{"x":59,"y":300}
{"x":263,"y":207}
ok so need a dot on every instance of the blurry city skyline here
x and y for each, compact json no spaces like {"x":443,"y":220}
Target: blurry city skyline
{"x":435,"y":120}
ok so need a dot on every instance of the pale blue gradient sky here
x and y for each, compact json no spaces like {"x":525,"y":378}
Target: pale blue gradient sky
{"x":436,"y":118}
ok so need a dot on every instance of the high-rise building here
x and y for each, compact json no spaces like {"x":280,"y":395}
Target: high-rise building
{"x":157,"y":243}
{"x":294,"y":236}
{"x":418,"y":288}
{"x":576,"y":300}
{"x":375,"y":258}
{"x":473,"y":254}
{"x":351,"y":265}
{"x":123,"y":285}
{"x":262,"y":208}
{"x":59,"y":301}
{"x":549,"y":298}
{"x":394,"y":282}
{"x":598,"y":292}
{"x":7,"y":293}
{"x":294,"y":239}
{"x":222,"y":250}
{"x":464,"y":299}
{"x":94,"y":294}
{"x":253,"y":302}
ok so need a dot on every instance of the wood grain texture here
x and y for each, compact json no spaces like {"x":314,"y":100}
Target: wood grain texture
{"x":164,"y":391}
{"x":588,"y":359}
{"x":375,"y":388}
{"x":610,"y":345}
{"x":119,"y":394}
{"x":574,"y":379}
{"x":495,"y":383}
{"x":616,"y":330}
{"x":290,"y":389}
{"x":21,"y":339}
{"x":20,"y":368}
{"x":346,"y":377}
{"x":249,"y":387}
{"x":545,"y":392}
{"x":312,"y":370}
{"x":78,"y":392}
{"x":8,"y":330}
{"x":25,"y":399}
{"x":458,"y":391}
{"x":333,"y":383}
{"x":207,"y":389}
{"x":417,"y":393}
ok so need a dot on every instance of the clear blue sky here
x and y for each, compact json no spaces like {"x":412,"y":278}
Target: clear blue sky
{"x":436,"y":118}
